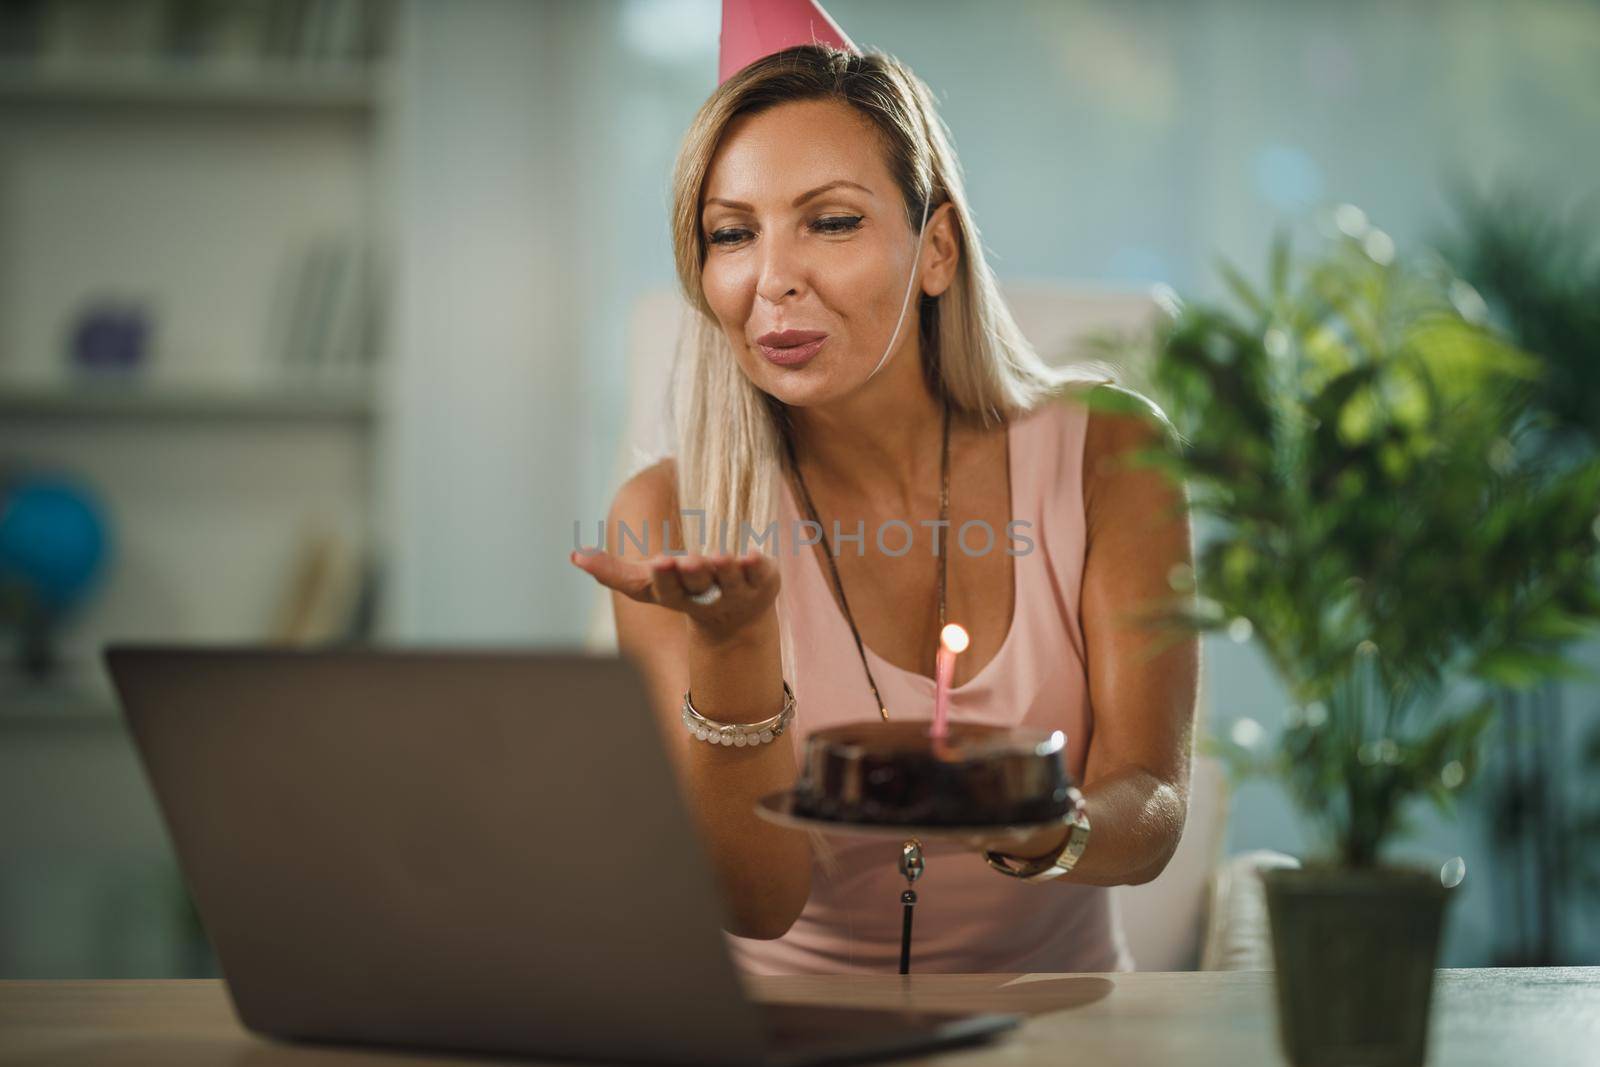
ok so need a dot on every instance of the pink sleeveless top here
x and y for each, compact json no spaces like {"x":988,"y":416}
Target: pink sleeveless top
{"x":969,"y":918}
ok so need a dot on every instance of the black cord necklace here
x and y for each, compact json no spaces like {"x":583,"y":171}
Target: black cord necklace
{"x":911,"y":862}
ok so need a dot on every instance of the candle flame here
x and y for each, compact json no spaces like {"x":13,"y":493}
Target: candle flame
{"x":954,"y":638}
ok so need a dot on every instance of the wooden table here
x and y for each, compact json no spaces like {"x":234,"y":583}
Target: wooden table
{"x":1543,"y":1017}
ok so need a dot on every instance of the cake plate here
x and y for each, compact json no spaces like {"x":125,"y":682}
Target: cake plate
{"x":778,"y":808}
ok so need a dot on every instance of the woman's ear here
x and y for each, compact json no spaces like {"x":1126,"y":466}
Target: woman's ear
{"x":941,"y":252}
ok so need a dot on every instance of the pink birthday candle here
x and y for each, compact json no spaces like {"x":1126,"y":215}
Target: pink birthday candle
{"x":952,"y":639}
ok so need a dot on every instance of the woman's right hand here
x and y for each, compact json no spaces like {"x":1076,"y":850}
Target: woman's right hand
{"x":749,"y":585}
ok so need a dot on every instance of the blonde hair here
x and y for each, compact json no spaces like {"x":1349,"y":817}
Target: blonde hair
{"x":729,"y":452}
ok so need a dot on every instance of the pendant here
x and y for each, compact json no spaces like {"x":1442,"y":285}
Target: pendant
{"x":911,"y":866}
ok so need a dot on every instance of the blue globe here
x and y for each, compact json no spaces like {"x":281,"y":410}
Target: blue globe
{"x":54,"y":541}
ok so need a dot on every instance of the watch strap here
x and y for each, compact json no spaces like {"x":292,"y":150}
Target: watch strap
{"x":1048,"y":866}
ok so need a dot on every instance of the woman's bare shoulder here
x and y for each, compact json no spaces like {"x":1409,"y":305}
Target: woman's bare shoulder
{"x":649,"y":495}
{"x":1120,"y":417}
{"x":1116,"y":418}
{"x":1123,"y":423}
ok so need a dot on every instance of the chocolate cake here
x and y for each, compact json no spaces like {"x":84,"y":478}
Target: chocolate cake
{"x":894,"y":773}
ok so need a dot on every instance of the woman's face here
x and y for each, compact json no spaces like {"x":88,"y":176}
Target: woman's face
{"x":808,"y":251}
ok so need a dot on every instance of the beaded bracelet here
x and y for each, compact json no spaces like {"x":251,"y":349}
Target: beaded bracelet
{"x":739,"y":735}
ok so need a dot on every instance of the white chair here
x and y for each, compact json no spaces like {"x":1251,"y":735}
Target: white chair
{"x":1201,"y":911}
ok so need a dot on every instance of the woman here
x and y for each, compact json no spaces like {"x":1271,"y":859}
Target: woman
{"x":799,"y":202}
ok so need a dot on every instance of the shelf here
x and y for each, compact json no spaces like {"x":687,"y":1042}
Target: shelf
{"x":67,"y":704}
{"x":117,"y":83}
{"x":134,"y":401}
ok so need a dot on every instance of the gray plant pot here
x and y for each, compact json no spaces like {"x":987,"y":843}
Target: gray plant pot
{"x":1355,"y":952}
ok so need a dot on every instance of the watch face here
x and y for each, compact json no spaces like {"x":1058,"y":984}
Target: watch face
{"x":1064,"y":861}
{"x":1077,"y":840}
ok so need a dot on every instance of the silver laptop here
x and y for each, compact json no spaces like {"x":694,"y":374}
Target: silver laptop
{"x":465,"y":850}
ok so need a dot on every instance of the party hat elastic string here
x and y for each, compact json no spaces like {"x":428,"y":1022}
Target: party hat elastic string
{"x":911,"y":283}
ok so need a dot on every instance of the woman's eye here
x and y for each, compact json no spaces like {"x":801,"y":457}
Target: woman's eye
{"x":838,"y":223}
{"x":726,"y":237}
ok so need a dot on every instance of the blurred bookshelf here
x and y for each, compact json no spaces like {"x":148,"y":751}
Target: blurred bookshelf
{"x":124,"y":83}
{"x":193,"y":286}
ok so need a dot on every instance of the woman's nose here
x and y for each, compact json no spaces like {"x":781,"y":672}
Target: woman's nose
{"x":783,"y":269}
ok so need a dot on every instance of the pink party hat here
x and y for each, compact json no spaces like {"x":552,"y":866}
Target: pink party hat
{"x":755,"y":29}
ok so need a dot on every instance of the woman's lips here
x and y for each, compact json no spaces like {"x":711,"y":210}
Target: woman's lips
{"x":792,"y":355}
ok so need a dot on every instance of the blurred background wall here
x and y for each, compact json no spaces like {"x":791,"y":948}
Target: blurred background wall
{"x":314,"y":313}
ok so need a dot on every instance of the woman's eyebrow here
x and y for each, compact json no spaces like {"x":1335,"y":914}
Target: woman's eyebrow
{"x":740,"y":205}
{"x":824,"y":187}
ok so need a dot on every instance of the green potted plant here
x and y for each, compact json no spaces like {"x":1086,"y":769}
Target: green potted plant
{"x":1357,"y":447}
{"x":1535,"y":258}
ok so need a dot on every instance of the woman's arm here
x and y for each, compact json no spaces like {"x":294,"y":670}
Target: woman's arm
{"x":1136,"y":781}
{"x":732,"y":669}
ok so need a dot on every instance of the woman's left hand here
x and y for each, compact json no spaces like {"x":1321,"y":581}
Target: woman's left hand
{"x":1021,"y":844}
{"x":985,"y":841}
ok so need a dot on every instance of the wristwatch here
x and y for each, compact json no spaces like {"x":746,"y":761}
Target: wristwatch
{"x":1046,"y":867}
